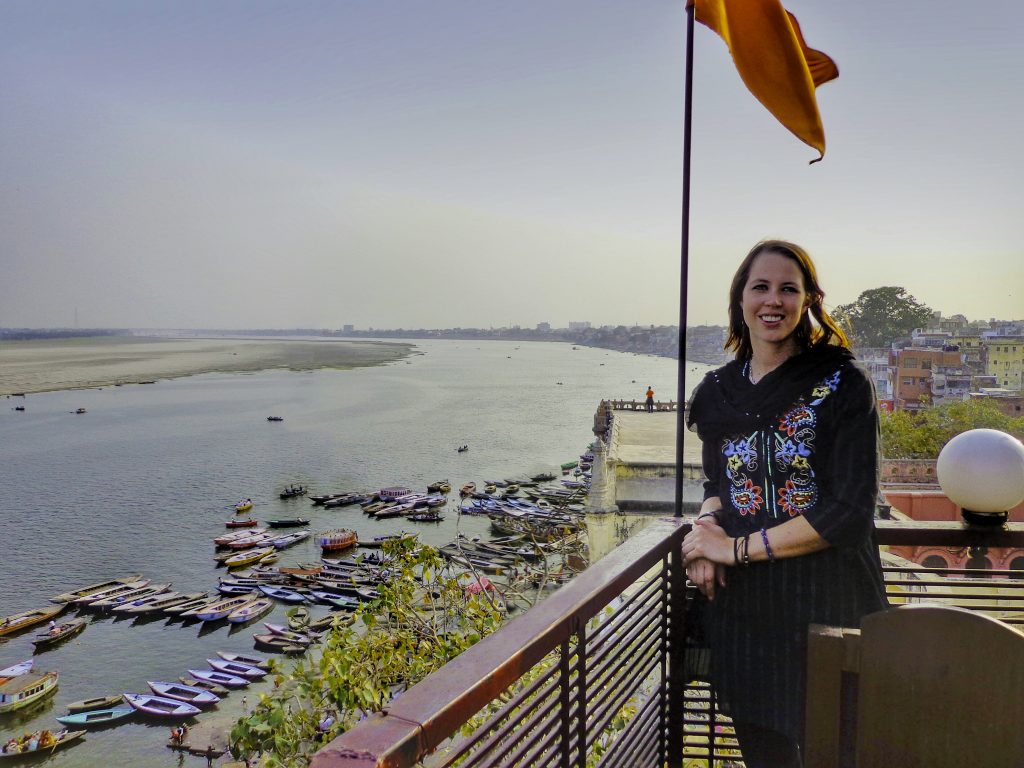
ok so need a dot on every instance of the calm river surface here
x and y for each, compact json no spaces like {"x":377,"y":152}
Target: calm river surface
{"x":145,"y":479}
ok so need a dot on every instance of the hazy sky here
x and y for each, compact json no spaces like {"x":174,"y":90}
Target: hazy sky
{"x":414,"y":163}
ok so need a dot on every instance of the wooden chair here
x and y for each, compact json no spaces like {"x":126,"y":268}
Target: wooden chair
{"x":919,"y":686}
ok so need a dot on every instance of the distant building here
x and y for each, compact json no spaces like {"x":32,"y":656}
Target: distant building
{"x":544,"y":327}
{"x":1010,"y":402}
{"x":579,"y":325}
{"x":347,"y":328}
{"x":914,"y":380}
{"x":1006,"y":361}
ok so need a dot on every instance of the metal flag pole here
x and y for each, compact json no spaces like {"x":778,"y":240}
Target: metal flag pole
{"x":684,"y":261}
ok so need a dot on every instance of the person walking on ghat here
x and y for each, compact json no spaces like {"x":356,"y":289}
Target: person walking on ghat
{"x":785,"y":536}
{"x":650,"y":400}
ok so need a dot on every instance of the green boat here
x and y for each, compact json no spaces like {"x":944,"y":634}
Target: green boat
{"x":96,"y":717}
{"x":570,"y":464}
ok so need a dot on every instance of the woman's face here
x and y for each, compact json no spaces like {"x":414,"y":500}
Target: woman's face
{"x":774,"y":300}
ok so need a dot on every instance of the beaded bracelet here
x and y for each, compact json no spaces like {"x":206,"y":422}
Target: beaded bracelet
{"x":767,"y":546}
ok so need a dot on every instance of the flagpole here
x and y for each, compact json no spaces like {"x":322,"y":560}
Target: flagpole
{"x":684,"y":261}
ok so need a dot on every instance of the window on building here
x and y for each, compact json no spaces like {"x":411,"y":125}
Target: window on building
{"x":979,"y":563}
{"x":926,"y":364}
{"x":938,"y":561}
{"x":908,"y":382}
{"x":1017,"y":564}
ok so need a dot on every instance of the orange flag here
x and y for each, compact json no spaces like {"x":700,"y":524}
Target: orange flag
{"x":774,"y":61}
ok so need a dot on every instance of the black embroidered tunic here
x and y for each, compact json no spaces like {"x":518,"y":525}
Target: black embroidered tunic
{"x":803,"y":441}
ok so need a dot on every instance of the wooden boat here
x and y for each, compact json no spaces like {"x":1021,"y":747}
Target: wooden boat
{"x":296,"y":638}
{"x":220,"y":690}
{"x":342,"y":500}
{"x":220,"y":678}
{"x":427,"y":517}
{"x":467,"y":489}
{"x":253,"y":610}
{"x":293,"y":492}
{"x":21,"y":668}
{"x":263,"y":538}
{"x":243,"y":506}
{"x":340,"y":602}
{"x":141,"y":603}
{"x":160,"y":706}
{"x":192,"y":607}
{"x":441,"y":486}
{"x":95,"y":718}
{"x":237,"y":668}
{"x":380,"y":541}
{"x":63,"y":738}
{"x":220,"y":609}
{"x":248,"y":558}
{"x":106,"y":594}
{"x":277,"y":644}
{"x":127,"y":597}
{"x":236,"y":589}
{"x":197,"y":697}
{"x":248,"y":522}
{"x":289,"y":539}
{"x":20,"y":691}
{"x":337,"y":539}
{"x":282,"y":594}
{"x":19,"y":621}
{"x":169,"y":600}
{"x":241,"y":658}
{"x":98,"y":702}
{"x":59,"y":633}
{"x":288,"y":522}
{"x":67,"y":597}
{"x":275,"y":418}
{"x":224,"y":539}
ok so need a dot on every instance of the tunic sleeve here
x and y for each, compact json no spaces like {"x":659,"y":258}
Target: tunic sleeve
{"x":844,"y":515}
{"x":711,"y":459}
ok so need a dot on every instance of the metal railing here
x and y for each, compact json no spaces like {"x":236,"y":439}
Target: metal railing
{"x":600,"y":673}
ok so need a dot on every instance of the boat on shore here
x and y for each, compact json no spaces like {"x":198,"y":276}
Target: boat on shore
{"x":261,"y":606}
{"x":105,"y":594}
{"x":206,"y":685}
{"x":59,"y":633}
{"x":190,"y":694}
{"x":96,"y":718}
{"x":17,"y":622}
{"x":67,"y":597}
{"x":249,"y":557}
{"x":167,"y":601}
{"x":160,"y":706}
{"x":220,"y":610}
{"x":18,"y":692}
{"x":220,"y":678}
{"x":241,"y":658}
{"x":237,"y":669}
{"x":124,"y":598}
{"x":277,"y":644}
{"x":43,"y":745}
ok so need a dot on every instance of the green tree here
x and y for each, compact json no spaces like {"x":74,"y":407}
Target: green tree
{"x":879,"y":316}
{"x":923,"y":434}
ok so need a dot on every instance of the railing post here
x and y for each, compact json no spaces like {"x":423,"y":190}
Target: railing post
{"x":676,"y":658}
{"x":565,"y":703}
{"x":581,"y":696}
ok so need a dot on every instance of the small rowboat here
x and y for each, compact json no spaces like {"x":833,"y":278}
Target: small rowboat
{"x":115,"y":591}
{"x":296,"y":638}
{"x":226,"y":538}
{"x":220,"y":678}
{"x":220,"y":610}
{"x":251,"y":540}
{"x":59,"y":633}
{"x":99,"y":702}
{"x":282,"y":594}
{"x":97,"y":717}
{"x":277,"y":644}
{"x":236,"y":669}
{"x":127,"y":597}
{"x":340,"y":602}
{"x":167,"y":601}
{"x":253,"y":610}
{"x":244,"y":506}
{"x":160,"y":706}
{"x":21,"y":668}
{"x":379,"y":541}
{"x":290,"y":522}
{"x":19,"y":621}
{"x":206,"y":685}
{"x":198,"y":697}
{"x":141,"y":603}
{"x":289,"y":539}
{"x":241,"y":523}
{"x":248,"y":558}
{"x":63,"y":740}
{"x":192,"y":607}
{"x":241,"y":658}
{"x":67,"y":597}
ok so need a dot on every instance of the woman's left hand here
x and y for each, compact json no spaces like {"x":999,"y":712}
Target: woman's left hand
{"x":707,"y":539}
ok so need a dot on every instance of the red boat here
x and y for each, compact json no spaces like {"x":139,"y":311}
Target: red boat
{"x":240,"y":523}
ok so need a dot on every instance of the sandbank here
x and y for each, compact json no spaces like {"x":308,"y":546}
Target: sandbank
{"x":57,"y":364}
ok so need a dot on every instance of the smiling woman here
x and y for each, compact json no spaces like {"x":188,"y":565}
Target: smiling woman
{"x":45,"y":366}
{"x":785,"y":536}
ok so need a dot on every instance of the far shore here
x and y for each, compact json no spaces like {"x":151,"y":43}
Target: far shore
{"x":83,"y":363}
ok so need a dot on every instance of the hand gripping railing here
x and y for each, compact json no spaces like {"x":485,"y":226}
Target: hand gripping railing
{"x":590,"y":676}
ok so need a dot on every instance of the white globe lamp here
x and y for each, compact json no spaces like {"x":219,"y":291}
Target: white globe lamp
{"x":982,"y":471}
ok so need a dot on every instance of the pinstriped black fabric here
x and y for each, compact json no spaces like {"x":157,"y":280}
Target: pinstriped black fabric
{"x":816,"y":457}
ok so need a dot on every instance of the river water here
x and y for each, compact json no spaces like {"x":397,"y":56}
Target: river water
{"x":143,"y":481}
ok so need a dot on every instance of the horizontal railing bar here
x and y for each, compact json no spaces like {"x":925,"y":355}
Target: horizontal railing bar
{"x":947,"y":534}
{"x":951,"y":593}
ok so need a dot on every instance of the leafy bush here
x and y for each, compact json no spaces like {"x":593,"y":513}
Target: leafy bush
{"x":922,"y":435}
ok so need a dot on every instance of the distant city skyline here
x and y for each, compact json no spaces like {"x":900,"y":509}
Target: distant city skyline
{"x":263,"y":164}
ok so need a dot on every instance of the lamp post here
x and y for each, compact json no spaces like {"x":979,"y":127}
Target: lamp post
{"x":982,"y":471}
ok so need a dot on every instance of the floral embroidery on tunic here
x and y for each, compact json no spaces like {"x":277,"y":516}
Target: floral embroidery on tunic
{"x":787,"y":454}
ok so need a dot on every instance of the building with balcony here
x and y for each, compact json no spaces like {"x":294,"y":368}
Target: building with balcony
{"x":1005,"y":360}
{"x":914,"y":376}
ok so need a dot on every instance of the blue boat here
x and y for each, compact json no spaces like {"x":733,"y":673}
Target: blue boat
{"x":96,"y":717}
{"x":282,"y":594}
